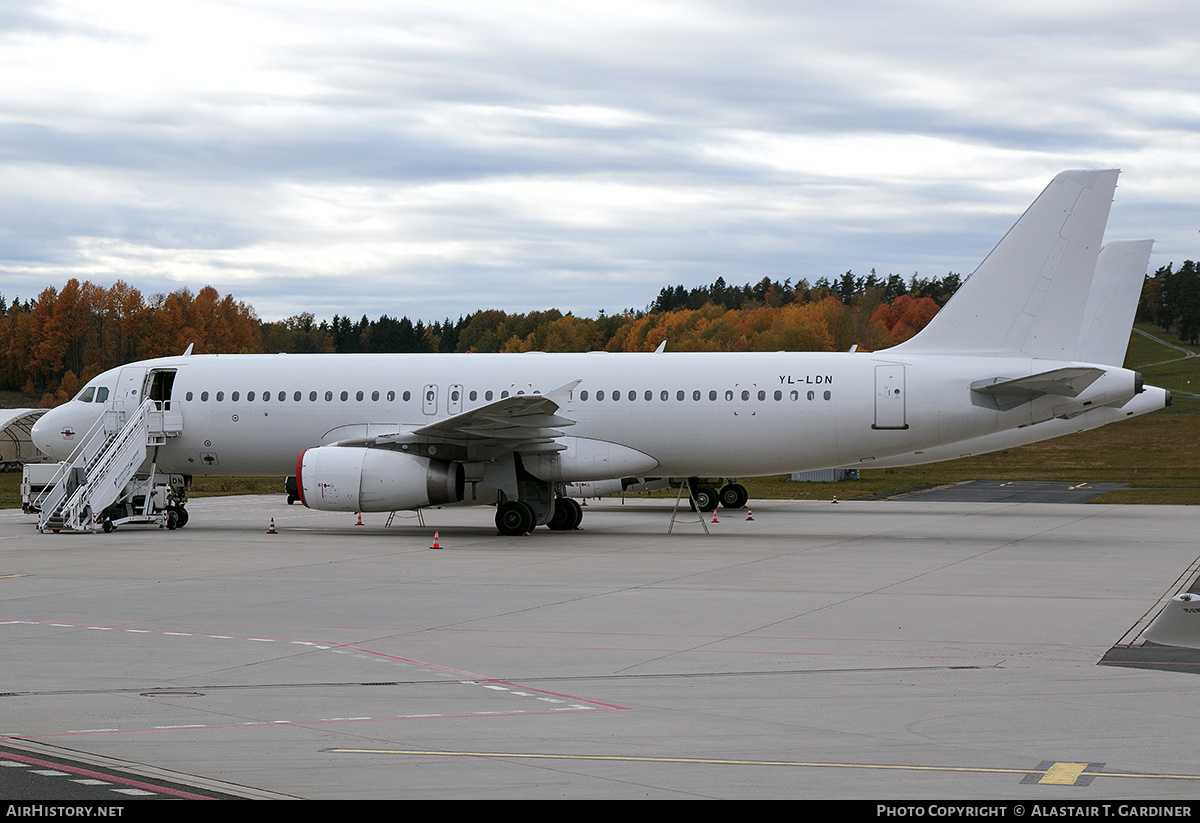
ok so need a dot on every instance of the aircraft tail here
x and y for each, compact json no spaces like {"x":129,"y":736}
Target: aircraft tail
{"x":1028,"y":295}
{"x":1112,"y":302}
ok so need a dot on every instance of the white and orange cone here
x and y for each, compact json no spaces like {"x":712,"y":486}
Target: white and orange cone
{"x":749,"y":514}
{"x":435,"y":545}
{"x":359,"y":523}
{"x":272,"y":529}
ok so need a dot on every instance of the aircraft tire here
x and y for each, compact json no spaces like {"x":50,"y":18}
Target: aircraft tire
{"x":514,"y":518}
{"x":183,"y":516}
{"x":564,"y":517}
{"x":705,"y":499}
{"x":734,"y":496}
{"x":578,"y":510}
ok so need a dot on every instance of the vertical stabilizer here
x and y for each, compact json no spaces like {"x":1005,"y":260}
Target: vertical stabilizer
{"x":1112,"y":302}
{"x":1028,"y":295}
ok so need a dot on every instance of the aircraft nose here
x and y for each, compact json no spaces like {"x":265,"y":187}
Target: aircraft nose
{"x":45,"y":435}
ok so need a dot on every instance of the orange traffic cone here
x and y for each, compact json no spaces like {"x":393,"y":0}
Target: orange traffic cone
{"x":835,"y":498}
{"x":749,"y":514}
{"x":715,"y":520}
{"x":359,"y":523}
{"x":272,"y":529}
{"x":435,"y":545}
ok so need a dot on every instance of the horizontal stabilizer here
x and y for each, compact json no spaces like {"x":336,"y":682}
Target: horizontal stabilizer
{"x":1006,"y":393}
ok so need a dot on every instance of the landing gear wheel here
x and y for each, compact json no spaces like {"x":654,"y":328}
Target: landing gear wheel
{"x":513,"y":518}
{"x":705,"y":499}
{"x":183,"y":516}
{"x":734,"y":496}
{"x":567,"y":515}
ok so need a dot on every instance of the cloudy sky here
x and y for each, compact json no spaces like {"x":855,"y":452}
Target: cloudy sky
{"x":431,"y":158}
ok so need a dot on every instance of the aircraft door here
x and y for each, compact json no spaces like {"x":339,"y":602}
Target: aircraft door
{"x":889,"y":398}
{"x":454,"y":399}
{"x":130,"y":383}
{"x":158,"y":386}
{"x":430,"y":399}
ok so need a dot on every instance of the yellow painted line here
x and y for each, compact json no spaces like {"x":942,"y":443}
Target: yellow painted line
{"x":1063,"y":774}
{"x":1058,"y":770}
{"x":6,"y":576}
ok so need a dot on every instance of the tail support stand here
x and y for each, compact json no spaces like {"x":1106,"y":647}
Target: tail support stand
{"x":675,"y":511}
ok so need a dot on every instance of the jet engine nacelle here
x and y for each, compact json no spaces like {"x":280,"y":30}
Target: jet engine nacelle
{"x":350,"y":479}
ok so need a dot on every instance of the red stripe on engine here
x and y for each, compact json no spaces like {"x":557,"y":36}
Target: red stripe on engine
{"x":299,"y":484}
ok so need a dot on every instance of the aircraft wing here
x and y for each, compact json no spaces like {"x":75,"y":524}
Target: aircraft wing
{"x":525,"y":423}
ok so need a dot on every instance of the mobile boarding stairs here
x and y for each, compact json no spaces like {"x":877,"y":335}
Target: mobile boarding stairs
{"x":99,"y":485}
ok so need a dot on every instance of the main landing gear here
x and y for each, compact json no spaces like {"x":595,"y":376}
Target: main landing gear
{"x":516,"y":517}
{"x":706,"y":498}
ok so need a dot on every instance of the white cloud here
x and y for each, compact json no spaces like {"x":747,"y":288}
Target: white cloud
{"x":429,"y":159}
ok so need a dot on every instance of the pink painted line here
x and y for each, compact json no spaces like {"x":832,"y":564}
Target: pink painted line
{"x":484,"y":678}
{"x":103,"y":776}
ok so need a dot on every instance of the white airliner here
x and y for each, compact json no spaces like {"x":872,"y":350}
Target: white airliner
{"x":1013,"y":350}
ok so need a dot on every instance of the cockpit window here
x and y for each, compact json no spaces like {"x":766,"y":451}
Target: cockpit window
{"x":87,"y":395}
{"x":101,"y":394}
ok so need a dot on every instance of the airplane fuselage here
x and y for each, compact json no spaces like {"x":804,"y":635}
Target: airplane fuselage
{"x":677,"y":414}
